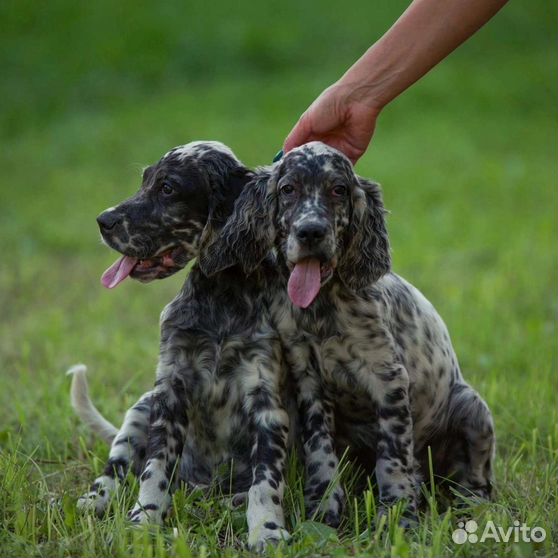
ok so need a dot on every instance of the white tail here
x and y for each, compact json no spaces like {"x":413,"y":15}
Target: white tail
{"x":84,"y":408}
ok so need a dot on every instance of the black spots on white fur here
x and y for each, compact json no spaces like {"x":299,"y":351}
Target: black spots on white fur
{"x":313,"y":468}
{"x":146,"y":475}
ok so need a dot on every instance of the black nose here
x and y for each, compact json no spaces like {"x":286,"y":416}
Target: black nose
{"x":311,"y":233}
{"x":107,"y":220}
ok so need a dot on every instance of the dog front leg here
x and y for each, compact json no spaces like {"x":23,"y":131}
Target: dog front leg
{"x":270,"y":425}
{"x":395,"y":462}
{"x":324,"y":496}
{"x":167,"y":433}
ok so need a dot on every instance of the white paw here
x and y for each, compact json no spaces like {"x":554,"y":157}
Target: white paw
{"x":94,"y":502}
{"x":259,"y":538}
{"x":145,"y":515}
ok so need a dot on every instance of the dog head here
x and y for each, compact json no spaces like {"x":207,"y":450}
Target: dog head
{"x":183,"y":199}
{"x":325,"y":221}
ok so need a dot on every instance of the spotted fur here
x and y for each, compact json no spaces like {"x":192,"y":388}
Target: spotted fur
{"x":220,"y":395}
{"x":373,"y":362}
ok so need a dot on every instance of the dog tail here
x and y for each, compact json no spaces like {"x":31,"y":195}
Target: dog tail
{"x":84,"y":408}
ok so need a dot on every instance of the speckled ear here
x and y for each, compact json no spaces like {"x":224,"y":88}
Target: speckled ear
{"x":368,"y":255}
{"x":249,"y":232}
{"x":225,"y":190}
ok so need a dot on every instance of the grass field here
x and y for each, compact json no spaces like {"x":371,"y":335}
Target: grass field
{"x":467,"y":158}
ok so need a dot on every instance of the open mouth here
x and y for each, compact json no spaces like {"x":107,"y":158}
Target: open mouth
{"x":307,"y":277}
{"x":145,"y":269}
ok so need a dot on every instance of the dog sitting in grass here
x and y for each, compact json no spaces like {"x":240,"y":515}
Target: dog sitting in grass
{"x":220,"y":394}
{"x":372,"y":360}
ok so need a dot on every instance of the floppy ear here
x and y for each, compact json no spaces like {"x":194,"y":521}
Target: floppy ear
{"x":225,"y":186}
{"x":367,"y":255}
{"x":248,"y":233}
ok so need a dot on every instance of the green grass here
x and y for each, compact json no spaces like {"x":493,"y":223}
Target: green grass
{"x":89,"y":94}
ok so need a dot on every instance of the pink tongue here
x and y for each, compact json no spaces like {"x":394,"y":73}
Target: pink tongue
{"x":304,"y":282}
{"x":118,"y":271}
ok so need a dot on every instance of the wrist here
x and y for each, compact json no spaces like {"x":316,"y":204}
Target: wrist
{"x":360,"y":91}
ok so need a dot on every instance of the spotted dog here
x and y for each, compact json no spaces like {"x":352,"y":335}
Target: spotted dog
{"x":220,"y":389}
{"x":373,"y":361}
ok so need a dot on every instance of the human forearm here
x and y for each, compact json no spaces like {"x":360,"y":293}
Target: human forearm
{"x":425,"y":34}
{"x":344,"y":115}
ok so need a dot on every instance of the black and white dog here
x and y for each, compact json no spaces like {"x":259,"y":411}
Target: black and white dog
{"x":373,"y":362}
{"x":220,"y":393}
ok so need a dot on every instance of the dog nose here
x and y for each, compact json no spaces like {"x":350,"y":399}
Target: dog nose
{"x":107,"y":220}
{"x":311,"y":233}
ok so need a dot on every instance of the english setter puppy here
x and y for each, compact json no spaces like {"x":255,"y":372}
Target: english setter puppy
{"x":373,"y":362}
{"x":220,"y":393}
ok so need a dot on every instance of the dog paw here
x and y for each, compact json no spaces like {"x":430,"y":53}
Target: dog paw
{"x":408,"y":519}
{"x":267,"y":534}
{"x":98,"y":497}
{"x":149,"y":514}
{"x":94,"y":501}
{"x":329,"y":508}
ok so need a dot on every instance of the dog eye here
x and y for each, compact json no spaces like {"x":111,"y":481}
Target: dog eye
{"x":287,"y":189}
{"x":167,"y":189}
{"x":339,"y":190}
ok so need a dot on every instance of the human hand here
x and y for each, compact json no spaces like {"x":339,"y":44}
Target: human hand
{"x":344,"y":115}
{"x":339,"y":117}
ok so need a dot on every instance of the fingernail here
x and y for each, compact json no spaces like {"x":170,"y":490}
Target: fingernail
{"x":278,"y":155}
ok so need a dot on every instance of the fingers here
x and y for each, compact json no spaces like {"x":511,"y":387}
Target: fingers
{"x":346,"y":128}
{"x":299,"y":135}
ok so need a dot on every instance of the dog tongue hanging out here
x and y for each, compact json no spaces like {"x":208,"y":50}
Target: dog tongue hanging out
{"x":304,"y":282}
{"x":118,"y":271}
{"x":307,"y":278}
{"x":144,"y":270}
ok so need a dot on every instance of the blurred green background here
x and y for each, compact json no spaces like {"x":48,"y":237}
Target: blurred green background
{"x":91,"y":92}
